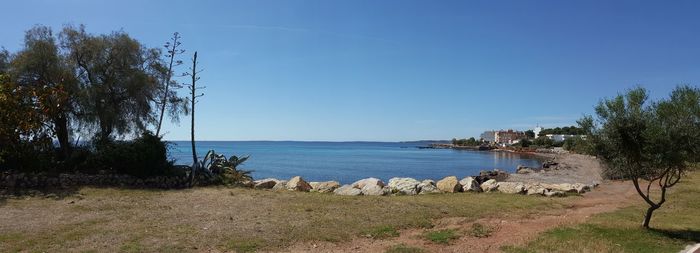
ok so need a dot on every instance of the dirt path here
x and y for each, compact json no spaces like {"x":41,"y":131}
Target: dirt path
{"x":608,"y":197}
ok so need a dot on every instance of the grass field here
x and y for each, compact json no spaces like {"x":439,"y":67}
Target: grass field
{"x":245,"y":220}
{"x":231,"y":219}
{"x":675,"y":225}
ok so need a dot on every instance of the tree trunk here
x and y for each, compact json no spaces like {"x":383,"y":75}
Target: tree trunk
{"x":647,"y":216}
{"x":194,"y":96}
{"x":61,"y":128}
{"x":167,"y":85}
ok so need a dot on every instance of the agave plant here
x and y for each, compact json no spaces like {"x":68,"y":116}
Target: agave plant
{"x":222,"y":170}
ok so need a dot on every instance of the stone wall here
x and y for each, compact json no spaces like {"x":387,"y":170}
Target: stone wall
{"x":10,"y":180}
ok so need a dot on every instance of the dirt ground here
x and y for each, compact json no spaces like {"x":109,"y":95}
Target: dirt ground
{"x":228,"y":220}
{"x":572,"y":168}
{"x":608,"y":197}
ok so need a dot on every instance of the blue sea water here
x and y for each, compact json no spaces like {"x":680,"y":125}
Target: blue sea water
{"x":349,"y":161}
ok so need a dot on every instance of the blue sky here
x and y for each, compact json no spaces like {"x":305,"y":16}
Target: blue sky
{"x":396,"y":70}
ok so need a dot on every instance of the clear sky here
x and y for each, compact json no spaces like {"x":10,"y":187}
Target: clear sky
{"x":396,"y":70}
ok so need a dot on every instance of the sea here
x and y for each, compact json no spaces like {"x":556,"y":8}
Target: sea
{"x":347,"y":162}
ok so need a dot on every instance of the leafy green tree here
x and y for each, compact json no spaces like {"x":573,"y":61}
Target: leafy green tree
{"x":40,"y":67}
{"x":648,"y":143}
{"x":22,"y":129}
{"x":543,"y":141}
{"x":119,"y":77}
{"x":530,"y":134}
{"x":4,"y":60}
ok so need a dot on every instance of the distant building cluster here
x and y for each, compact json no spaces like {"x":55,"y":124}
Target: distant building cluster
{"x":510,"y":136}
{"x":507,"y":137}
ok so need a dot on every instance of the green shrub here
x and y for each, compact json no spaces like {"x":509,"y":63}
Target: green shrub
{"x":143,"y":157}
{"x":441,"y":236}
{"x":222,"y":170}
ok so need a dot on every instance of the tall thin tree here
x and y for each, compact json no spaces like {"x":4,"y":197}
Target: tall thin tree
{"x":193,"y":99}
{"x":172,"y":50}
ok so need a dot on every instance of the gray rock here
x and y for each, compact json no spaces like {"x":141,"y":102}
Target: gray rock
{"x":374,"y":190}
{"x":359,"y":184}
{"x":469,"y":184}
{"x":281,"y":185}
{"x":404,"y":185}
{"x":511,"y":187}
{"x":266,"y":183}
{"x":489,"y":185}
{"x":427,"y":186}
{"x":348,"y":190}
{"x":555,"y":193}
{"x":324,"y":187}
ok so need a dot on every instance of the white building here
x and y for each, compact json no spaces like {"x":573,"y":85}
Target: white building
{"x":559,"y":137}
{"x":537,"y":131}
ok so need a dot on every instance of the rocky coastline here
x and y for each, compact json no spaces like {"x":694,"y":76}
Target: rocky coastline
{"x":556,"y":177}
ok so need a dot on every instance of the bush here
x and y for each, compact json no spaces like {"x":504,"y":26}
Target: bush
{"x":543,"y":141}
{"x":142,"y":157}
{"x":222,"y":170}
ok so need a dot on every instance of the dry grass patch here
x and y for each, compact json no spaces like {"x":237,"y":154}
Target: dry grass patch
{"x":216,"y":218}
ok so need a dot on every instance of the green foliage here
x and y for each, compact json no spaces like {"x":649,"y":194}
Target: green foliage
{"x":444,"y":236}
{"x":403,"y":248}
{"x":466,"y":142}
{"x":524,"y":143}
{"x":143,"y":157}
{"x":530,"y":134}
{"x":650,"y":141}
{"x":568,"y":130}
{"x":382,"y":232}
{"x":577,"y":144}
{"x":543,"y":141}
{"x":59,"y":87}
{"x":222,"y":170}
{"x":120,"y":80}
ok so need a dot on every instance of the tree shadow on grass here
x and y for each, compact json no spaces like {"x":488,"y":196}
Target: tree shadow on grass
{"x":50,"y":193}
{"x":686,"y":234}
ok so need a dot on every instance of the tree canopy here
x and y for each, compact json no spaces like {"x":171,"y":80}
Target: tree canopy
{"x":648,"y":142}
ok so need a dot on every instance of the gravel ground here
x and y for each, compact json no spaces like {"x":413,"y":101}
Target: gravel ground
{"x":572,"y":168}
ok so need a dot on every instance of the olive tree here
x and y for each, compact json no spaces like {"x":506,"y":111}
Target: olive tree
{"x":41,"y":67}
{"x":119,"y":78}
{"x":653,"y":144}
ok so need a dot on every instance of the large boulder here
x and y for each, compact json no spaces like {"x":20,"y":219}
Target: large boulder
{"x":555,"y":193}
{"x":511,"y":187}
{"x":324,"y":187}
{"x":534,"y":189}
{"x":489,"y":185}
{"x":298,"y":184}
{"x":449,"y":184}
{"x":281,"y":185}
{"x":348,"y":190}
{"x":566,"y":187}
{"x":404,"y":185}
{"x":374,"y":190}
{"x":469,"y":184}
{"x":581,"y":188}
{"x":524,"y":170}
{"x":427,"y":186}
{"x":266,"y":183}
{"x":495,"y":174}
{"x":359,"y":184}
